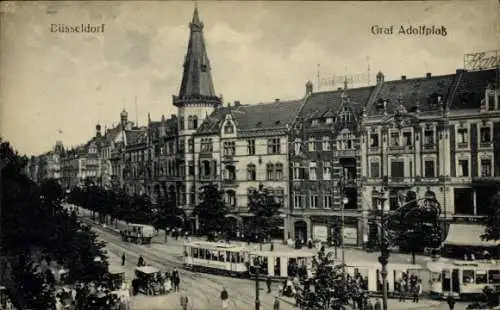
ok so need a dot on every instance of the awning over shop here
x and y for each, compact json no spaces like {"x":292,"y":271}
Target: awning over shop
{"x":467,"y":235}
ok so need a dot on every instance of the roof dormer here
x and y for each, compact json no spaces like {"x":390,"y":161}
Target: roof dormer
{"x":228,"y":126}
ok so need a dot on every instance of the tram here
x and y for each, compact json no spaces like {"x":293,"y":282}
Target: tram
{"x":281,"y":264}
{"x":372,"y":277}
{"x":462,"y":279}
{"x":216,"y":257}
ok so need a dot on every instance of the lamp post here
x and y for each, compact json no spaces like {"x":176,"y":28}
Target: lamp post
{"x":384,"y":250}
{"x":257,"y":288}
{"x":345,"y":200}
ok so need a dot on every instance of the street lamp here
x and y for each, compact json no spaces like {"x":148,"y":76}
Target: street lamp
{"x":345,"y":200}
{"x":384,"y":249}
{"x":257,"y":288}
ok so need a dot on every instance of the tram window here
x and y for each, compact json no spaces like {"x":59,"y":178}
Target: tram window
{"x":215,"y":255}
{"x":467,"y":276}
{"x":241,"y":257}
{"x":202,"y":253}
{"x":481,"y":277}
{"x":222,"y":256}
{"x":494,"y":276}
{"x":228,"y":256}
{"x":195,"y":252}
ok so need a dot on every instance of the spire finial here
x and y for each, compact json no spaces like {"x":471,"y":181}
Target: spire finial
{"x":196,"y":16}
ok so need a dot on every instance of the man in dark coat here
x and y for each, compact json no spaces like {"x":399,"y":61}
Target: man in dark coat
{"x":123,"y":259}
{"x":451,"y":301}
{"x":276,"y":305}
{"x":378,"y":305}
{"x":268,"y":283}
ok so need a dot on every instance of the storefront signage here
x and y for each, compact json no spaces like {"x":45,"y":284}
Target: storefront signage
{"x":350,"y":235}
{"x":482,"y":60}
{"x":320,"y":232}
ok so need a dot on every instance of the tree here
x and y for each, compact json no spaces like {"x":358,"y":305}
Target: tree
{"x":168,"y":214}
{"x":34,"y":230}
{"x":265,"y":208}
{"x":328,"y":283}
{"x":415,"y":226}
{"x":212,"y":210}
{"x":492,"y":231}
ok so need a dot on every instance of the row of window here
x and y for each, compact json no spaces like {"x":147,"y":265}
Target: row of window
{"x":397,"y":168}
{"x":405,"y":138}
{"x":274,"y":172}
{"x":345,"y":141}
{"x":300,"y":200}
{"x":273,"y":147}
{"x":311,"y":172}
{"x":192,"y":122}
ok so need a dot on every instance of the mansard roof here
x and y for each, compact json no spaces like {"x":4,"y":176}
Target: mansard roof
{"x":262,"y":116}
{"x":135,"y":136}
{"x":421,"y":92}
{"x":470,"y":88}
{"x":328,"y":103}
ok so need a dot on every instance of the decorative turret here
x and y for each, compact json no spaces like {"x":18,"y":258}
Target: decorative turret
{"x":380,"y":77}
{"x":309,"y":87}
{"x":124,"y":117}
{"x":98,"y":130}
{"x":197,"y":85}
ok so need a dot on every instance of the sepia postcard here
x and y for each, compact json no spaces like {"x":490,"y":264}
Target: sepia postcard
{"x":228,"y":142}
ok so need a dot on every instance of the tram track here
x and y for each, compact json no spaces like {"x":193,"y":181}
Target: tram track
{"x":114,"y":240}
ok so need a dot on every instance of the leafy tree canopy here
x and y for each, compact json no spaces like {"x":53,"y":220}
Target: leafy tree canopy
{"x":212,"y":210}
{"x":415,"y":225}
{"x":492,"y":231}
{"x":265,"y":208}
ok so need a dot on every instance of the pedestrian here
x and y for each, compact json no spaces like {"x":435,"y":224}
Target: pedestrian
{"x":451,"y":301}
{"x":272,"y":246}
{"x":123,"y":259}
{"x":224,"y":296}
{"x":268,"y":283}
{"x":402,"y":287}
{"x":184,"y":302}
{"x":276,"y":305}
{"x":141,"y":262}
{"x":418,"y":291}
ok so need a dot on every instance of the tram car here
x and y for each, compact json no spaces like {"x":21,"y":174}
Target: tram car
{"x":462,"y":279}
{"x":371,"y":274}
{"x":216,"y":257}
{"x":281,"y":264}
{"x":138,"y":233}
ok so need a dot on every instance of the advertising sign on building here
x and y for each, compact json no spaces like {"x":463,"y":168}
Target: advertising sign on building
{"x":350,"y":235}
{"x":320,"y":232}
{"x":482,"y":60}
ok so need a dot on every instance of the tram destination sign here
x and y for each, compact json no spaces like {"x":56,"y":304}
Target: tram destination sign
{"x":482,"y":60}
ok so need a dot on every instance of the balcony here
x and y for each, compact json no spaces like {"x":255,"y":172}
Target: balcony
{"x":486,"y":180}
{"x":229,"y":183}
{"x":429,"y":147}
{"x":206,"y":154}
{"x":400,"y":181}
{"x":345,"y":153}
{"x":374,"y":150}
{"x":207,"y":177}
{"x":228,"y":158}
{"x":462,"y":145}
{"x":486,"y":145}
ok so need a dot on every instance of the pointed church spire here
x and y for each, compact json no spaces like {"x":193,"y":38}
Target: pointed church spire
{"x":196,"y":79}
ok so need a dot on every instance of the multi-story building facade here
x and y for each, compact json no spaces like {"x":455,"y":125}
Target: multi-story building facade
{"x":47,"y":165}
{"x":244,"y":148}
{"x":163,"y":141}
{"x":325,"y":165}
{"x":82,"y":164}
{"x":432,"y":136}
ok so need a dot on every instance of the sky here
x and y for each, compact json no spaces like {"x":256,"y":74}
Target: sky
{"x":58,"y":86}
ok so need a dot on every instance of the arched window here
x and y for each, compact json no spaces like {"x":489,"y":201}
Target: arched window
{"x":251,"y":172}
{"x":190,"y":122}
{"x":195,"y":122}
{"x":190,"y":145}
{"x":270,"y":171}
{"x":279,"y":171}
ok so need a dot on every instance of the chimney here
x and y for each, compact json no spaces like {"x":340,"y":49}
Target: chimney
{"x":277,"y":100}
{"x":339,"y":88}
{"x":173,"y":116}
{"x":403,"y":77}
{"x":428,"y":75}
{"x":237,"y":103}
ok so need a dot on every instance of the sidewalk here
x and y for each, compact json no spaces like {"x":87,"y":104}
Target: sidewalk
{"x":391,"y":304}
